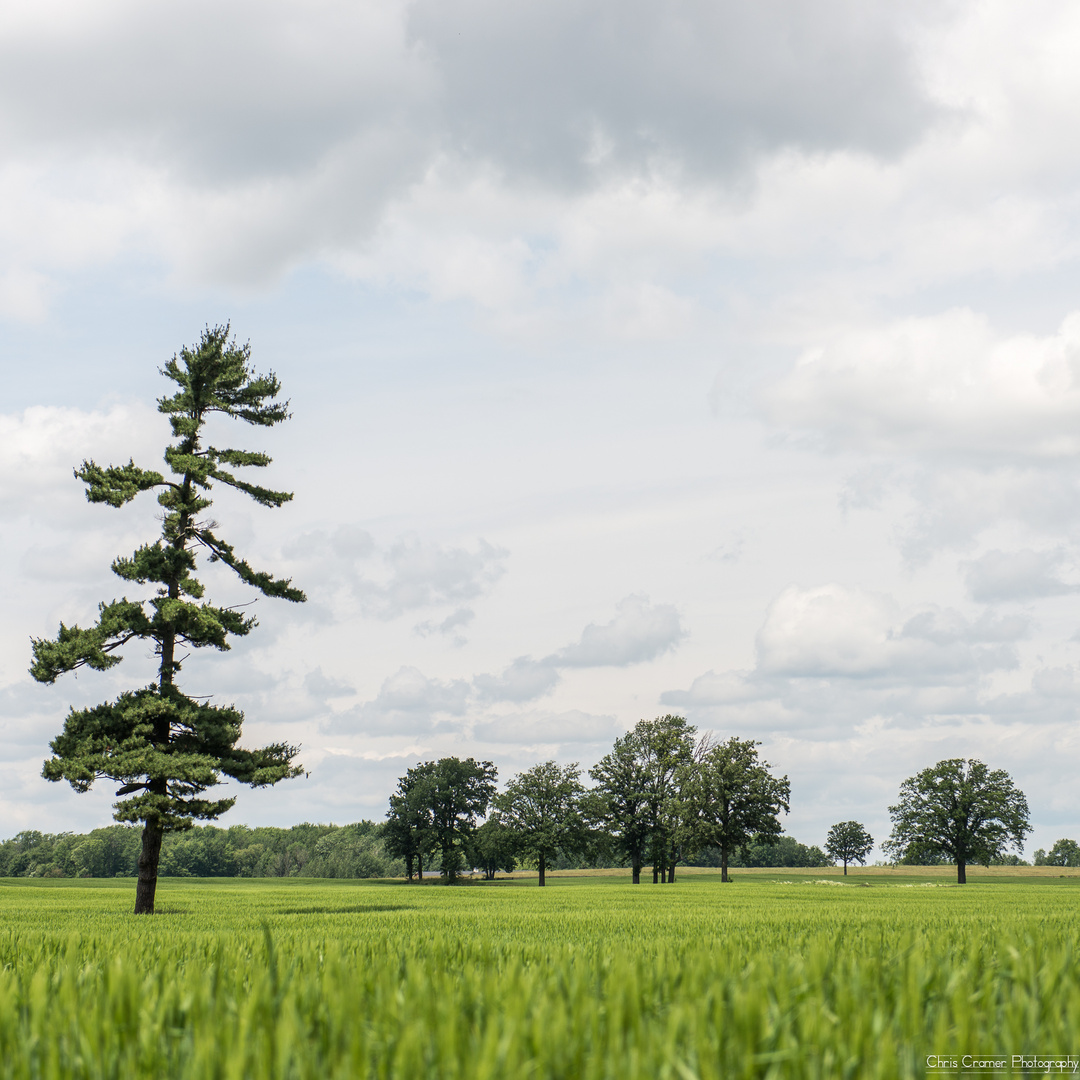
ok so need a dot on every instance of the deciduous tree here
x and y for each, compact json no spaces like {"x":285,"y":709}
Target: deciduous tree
{"x":619,"y":803}
{"x":541,"y":809}
{"x":959,"y":809}
{"x":459,"y":793}
{"x":734,"y":799}
{"x":848,"y":841}
{"x":409,"y":833}
{"x":164,"y":747}
{"x":1064,"y":853}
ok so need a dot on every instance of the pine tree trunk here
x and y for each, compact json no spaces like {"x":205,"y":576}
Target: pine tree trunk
{"x":146,"y":887}
{"x":961,"y":872}
{"x":543,"y":867}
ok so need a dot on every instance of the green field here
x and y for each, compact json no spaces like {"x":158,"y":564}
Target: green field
{"x":775,"y":974}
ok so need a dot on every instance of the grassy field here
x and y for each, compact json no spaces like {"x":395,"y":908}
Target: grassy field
{"x":776,"y":974}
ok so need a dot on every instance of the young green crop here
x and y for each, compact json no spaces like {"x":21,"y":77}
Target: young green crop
{"x":758,"y":978}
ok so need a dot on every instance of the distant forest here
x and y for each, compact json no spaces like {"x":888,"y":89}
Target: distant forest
{"x":309,"y":851}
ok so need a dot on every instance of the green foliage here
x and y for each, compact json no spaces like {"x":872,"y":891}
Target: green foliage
{"x":1063,"y":853}
{"x":541,"y":809}
{"x":410,"y":830}
{"x":959,"y":811}
{"x":322,"y":851}
{"x":459,"y":793}
{"x":783,"y":852}
{"x":733,"y":800}
{"x":618,"y":805}
{"x":849,"y":842}
{"x":163,"y":747}
{"x":638,"y":799}
{"x":598,"y":981}
{"x":493,"y":847}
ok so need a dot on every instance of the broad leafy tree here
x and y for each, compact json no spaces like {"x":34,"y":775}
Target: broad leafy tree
{"x":666,"y":747}
{"x":541,"y":808}
{"x":619,"y":804}
{"x":848,"y":842}
{"x":961,"y":810}
{"x":493,"y":847}
{"x":734,"y":800}
{"x":409,"y":832}
{"x":164,"y":747}
{"x":459,"y":794}
{"x":1064,"y":853}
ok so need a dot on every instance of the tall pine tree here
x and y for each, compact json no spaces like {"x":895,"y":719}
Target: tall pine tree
{"x":162,"y":746}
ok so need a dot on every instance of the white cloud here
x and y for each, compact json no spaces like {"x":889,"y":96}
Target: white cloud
{"x":41,"y":446}
{"x":640,"y":631}
{"x":946,"y":384}
{"x":408,"y":702}
{"x":831,"y":631}
{"x":1016,"y":575}
{"x":523,"y":680}
{"x":407,"y":575}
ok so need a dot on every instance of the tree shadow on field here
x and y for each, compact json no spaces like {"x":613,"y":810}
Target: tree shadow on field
{"x":355,"y":909}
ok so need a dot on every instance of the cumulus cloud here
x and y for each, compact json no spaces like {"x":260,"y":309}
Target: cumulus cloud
{"x":640,"y":631}
{"x":831,"y":631}
{"x":408,"y":702}
{"x":523,"y":680}
{"x":1017,"y":575}
{"x":945,"y":384}
{"x":407,"y":575}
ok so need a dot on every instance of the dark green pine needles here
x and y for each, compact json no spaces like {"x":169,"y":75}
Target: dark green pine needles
{"x":163,"y":747}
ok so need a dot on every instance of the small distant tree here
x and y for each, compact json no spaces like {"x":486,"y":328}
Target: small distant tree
{"x":459,"y":793}
{"x":961,"y":810}
{"x":493,"y":847}
{"x":409,"y":832}
{"x":849,"y":842}
{"x":163,"y":747}
{"x":541,"y":809}
{"x":1064,"y":853}
{"x":734,"y":800}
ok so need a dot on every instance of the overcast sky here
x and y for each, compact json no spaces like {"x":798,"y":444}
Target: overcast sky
{"x":703,"y":357}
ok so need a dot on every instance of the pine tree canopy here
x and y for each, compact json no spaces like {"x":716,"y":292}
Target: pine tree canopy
{"x":163,"y":747}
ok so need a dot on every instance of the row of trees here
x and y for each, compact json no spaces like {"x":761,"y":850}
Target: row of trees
{"x":314,"y":851}
{"x":662,"y":795}
{"x":318,"y":851}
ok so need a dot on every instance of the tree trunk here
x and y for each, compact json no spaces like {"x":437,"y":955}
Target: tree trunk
{"x":635,"y":870}
{"x":723,"y":865}
{"x":845,"y":868}
{"x":146,"y":887}
{"x":671,"y":872}
{"x":420,"y":869}
{"x":961,"y":872}
{"x":663,"y":873}
{"x":543,"y":867}
{"x":655,"y":873}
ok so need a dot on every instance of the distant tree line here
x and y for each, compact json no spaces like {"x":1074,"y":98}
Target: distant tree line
{"x":318,"y":851}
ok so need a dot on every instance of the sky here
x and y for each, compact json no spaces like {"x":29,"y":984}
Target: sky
{"x":701,"y":358}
